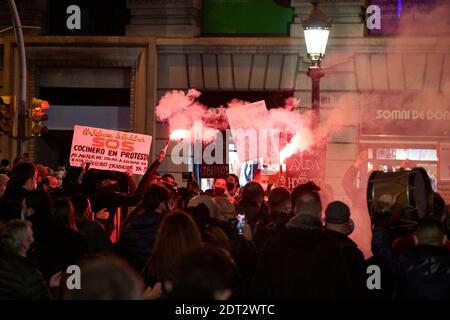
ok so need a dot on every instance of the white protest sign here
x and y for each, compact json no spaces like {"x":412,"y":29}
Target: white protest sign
{"x":107,"y":149}
{"x":248,"y":124}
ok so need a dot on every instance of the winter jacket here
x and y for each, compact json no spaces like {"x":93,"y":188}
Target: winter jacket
{"x":138,"y":238}
{"x":422,"y":272}
{"x":19,"y":280}
{"x":301,"y":262}
{"x":94,"y":236}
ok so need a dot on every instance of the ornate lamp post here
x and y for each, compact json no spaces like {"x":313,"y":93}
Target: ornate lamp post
{"x":316,"y":27}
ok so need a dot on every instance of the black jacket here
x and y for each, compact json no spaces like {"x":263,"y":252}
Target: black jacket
{"x":268,"y":227}
{"x":419,"y":273}
{"x":252,"y":213}
{"x":301,"y":262}
{"x":94,"y":235}
{"x":55,"y":246}
{"x":19,"y":280}
{"x":353,"y":265}
{"x":137,"y":240}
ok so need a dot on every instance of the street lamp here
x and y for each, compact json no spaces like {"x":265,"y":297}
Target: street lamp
{"x":316,"y":27}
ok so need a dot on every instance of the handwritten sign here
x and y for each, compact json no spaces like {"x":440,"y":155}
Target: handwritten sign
{"x":306,"y":166}
{"x":108,"y":149}
{"x":248,"y":125}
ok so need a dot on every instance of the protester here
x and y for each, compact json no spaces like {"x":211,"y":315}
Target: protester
{"x":252,"y":204}
{"x":106,"y":278}
{"x":65,"y":213}
{"x":225,"y":243}
{"x":233,"y":186}
{"x":339,"y":226}
{"x":138,"y":238}
{"x":50,"y":184}
{"x":301,"y":262}
{"x":177,"y":234}
{"x":10,"y":210}
{"x":423,"y":272}
{"x":56,"y":245}
{"x":3,"y":183}
{"x":170,"y":179}
{"x":24,"y":175}
{"x":4,"y":166}
{"x":19,"y":280}
{"x":92,"y":231}
{"x":357,"y":194}
{"x":204,"y":274}
{"x":220,"y":189}
{"x":279,"y":214}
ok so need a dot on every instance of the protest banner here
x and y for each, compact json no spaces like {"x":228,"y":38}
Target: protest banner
{"x":107,"y":149}
{"x":248,"y":124}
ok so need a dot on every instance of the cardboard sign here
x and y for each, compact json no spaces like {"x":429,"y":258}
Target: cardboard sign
{"x":306,"y":166}
{"x":213,"y":170}
{"x":249,"y":118}
{"x":219,"y":167}
{"x":108,"y":149}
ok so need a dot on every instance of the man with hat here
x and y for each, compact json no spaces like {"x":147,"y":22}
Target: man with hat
{"x":339,"y":226}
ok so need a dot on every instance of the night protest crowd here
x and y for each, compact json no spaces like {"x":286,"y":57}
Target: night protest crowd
{"x":154,"y":240}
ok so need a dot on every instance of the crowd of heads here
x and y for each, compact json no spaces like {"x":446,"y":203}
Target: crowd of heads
{"x":162,"y":241}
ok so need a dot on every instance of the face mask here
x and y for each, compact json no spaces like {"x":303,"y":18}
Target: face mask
{"x":218,"y":192}
{"x":350,"y":227}
{"x":61,"y":174}
{"x":230,"y":186}
{"x":264,"y":186}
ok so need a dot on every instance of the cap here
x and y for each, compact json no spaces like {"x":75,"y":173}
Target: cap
{"x":337,"y":212}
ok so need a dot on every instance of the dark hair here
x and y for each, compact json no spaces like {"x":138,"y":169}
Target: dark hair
{"x":203,"y":271}
{"x":80,"y":203}
{"x":15,"y":194}
{"x":277,"y":196}
{"x":235,"y":178}
{"x":10,"y":210}
{"x":4,"y":163}
{"x":154,"y":196}
{"x":220,"y":177}
{"x":168,"y":175}
{"x":107,"y":278}
{"x":303,"y":188}
{"x":17,"y":160}
{"x":306,"y":199}
{"x":65,"y":213}
{"x":41,"y":202}
{"x":21,"y":174}
{"x":200,"y":214}
{"x":430,"y":231}
{"x":185,"y":195}
{"x":252,"y":192}
{"x":177,"y":233}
